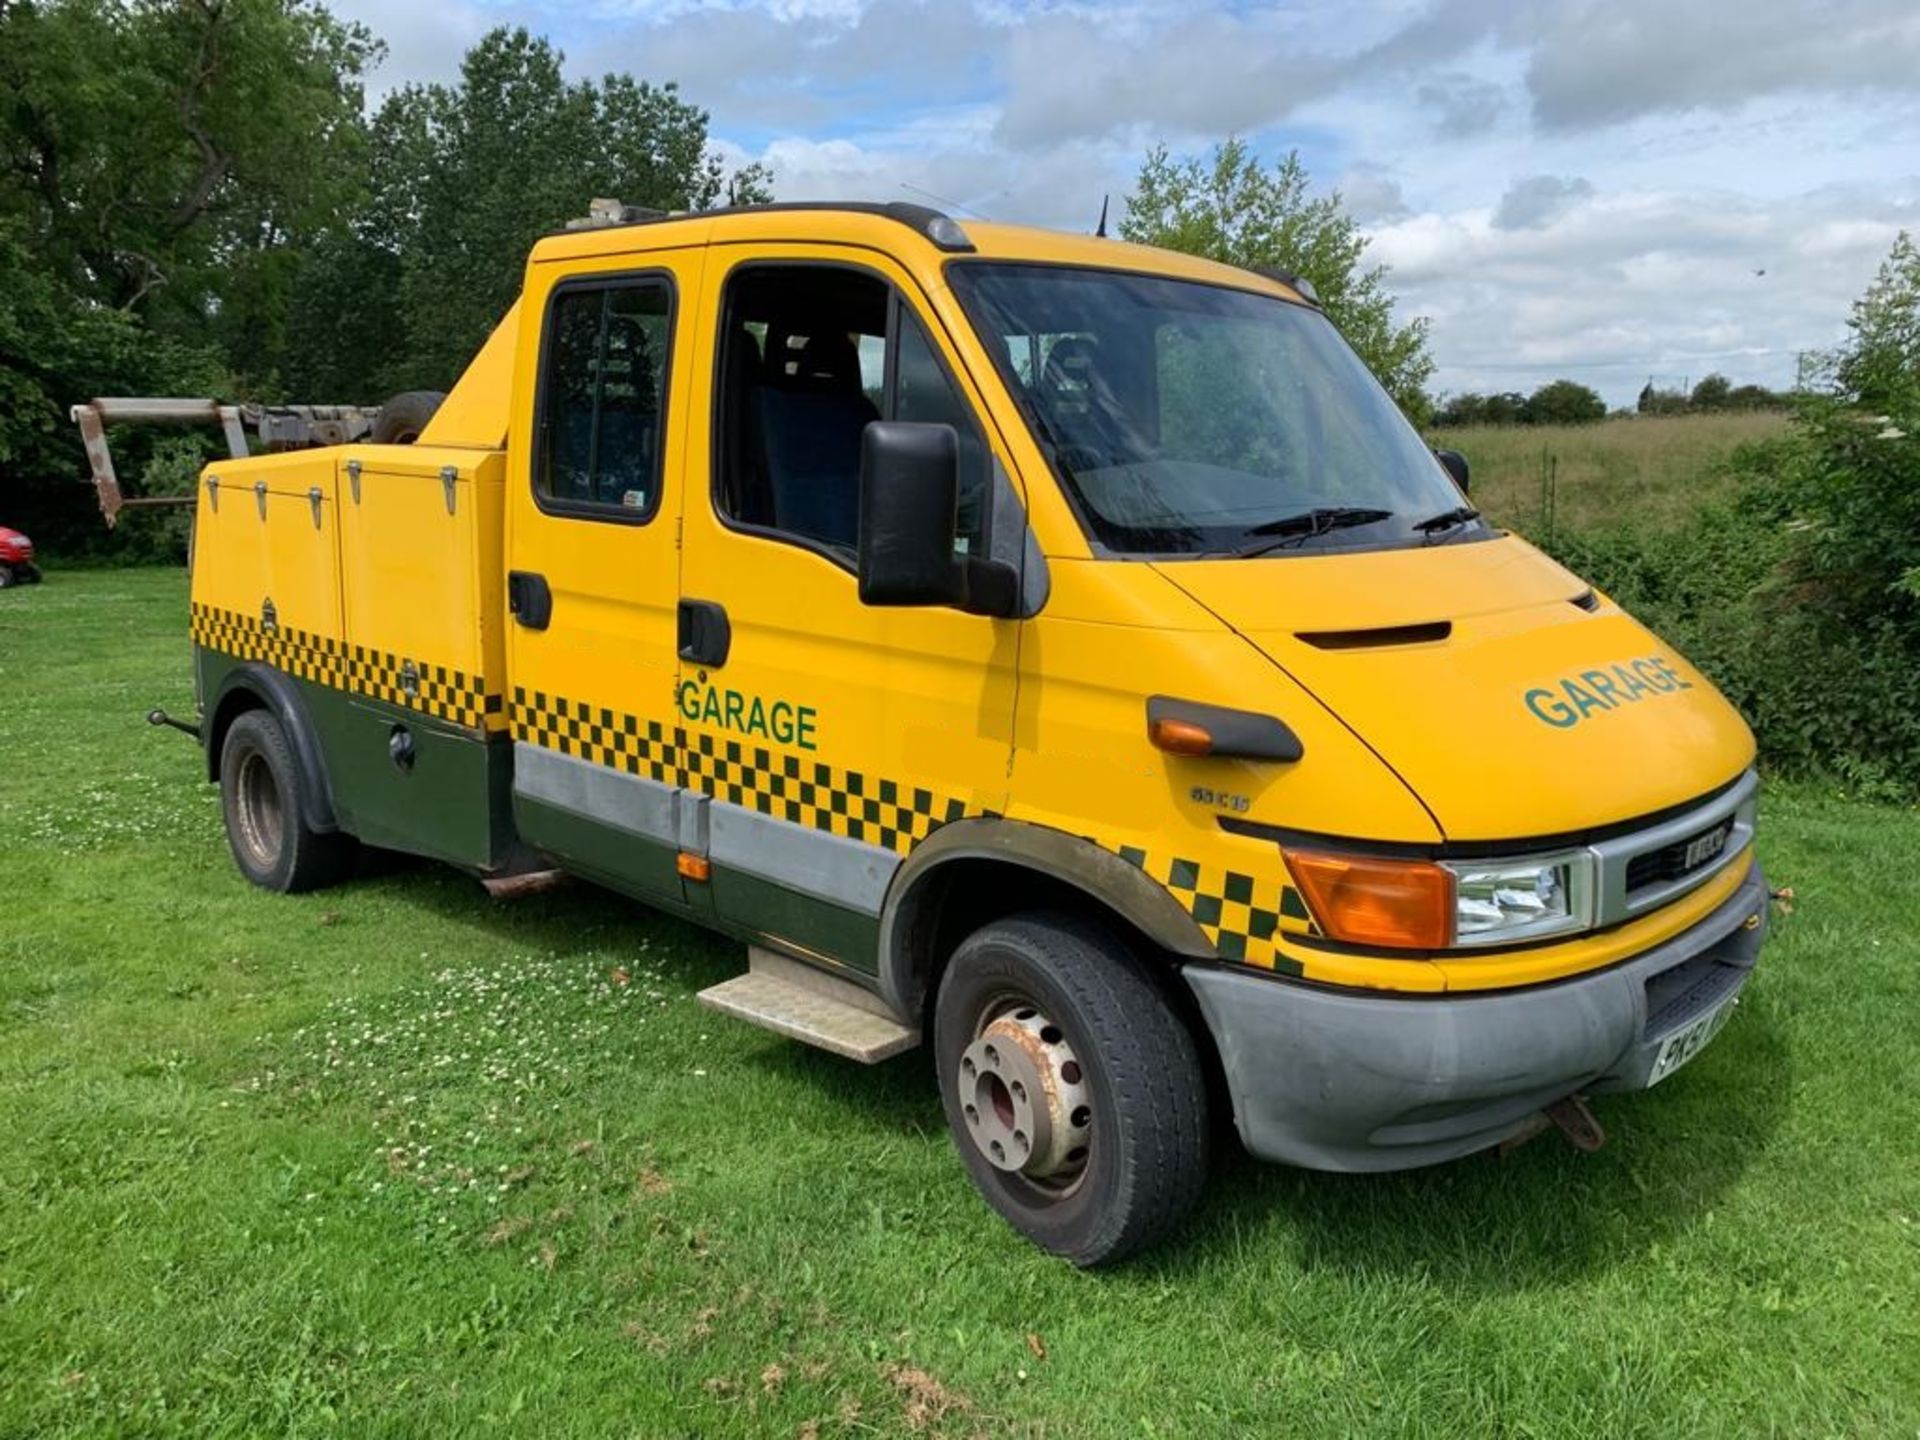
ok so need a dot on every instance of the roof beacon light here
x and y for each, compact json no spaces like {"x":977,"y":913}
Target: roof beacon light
{"x":945,"y":231}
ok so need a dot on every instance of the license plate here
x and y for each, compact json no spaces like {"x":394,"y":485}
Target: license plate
{"x":1681,"y":1046}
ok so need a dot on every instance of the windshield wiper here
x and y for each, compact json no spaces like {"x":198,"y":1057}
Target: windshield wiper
{"x":1436,"y":525}
{"x":1301,"y":527}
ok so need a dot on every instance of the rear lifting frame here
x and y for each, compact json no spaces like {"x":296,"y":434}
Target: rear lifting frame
{"x":275,"y":427}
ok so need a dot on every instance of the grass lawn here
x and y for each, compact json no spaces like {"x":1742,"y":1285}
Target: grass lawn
{"x":393,"y":1159}
{"x":1653,"y":470}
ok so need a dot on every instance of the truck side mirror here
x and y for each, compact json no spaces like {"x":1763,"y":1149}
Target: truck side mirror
{"x":909,"y":516}
{"x":909,"y":502}
{"x":1455,"y":464}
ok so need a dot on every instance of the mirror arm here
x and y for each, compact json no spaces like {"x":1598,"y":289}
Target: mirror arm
{"x":992,"y":587}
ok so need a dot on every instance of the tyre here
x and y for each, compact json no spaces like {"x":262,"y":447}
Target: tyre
{"x":267,"y":829}
{"x":29,"y":574}
{"x":7,"y":576}
{"x":1075,"y":1094}
{"x":402,"y":418}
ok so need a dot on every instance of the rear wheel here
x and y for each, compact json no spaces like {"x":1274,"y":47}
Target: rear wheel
{"x":1075,"y":1094}
{"x":267,"y":824}
{"x":402,"y":418}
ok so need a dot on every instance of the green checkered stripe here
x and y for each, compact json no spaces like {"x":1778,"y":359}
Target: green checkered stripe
{"x":595,"y":734}
{"x":1241,"y":914}
{"x":412,"y":684}
{"x":783,"y":784}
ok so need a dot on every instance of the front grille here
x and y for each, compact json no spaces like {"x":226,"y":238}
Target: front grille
{"x":1671,"y":862}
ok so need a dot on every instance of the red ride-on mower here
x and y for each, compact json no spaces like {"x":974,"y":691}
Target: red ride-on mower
{"x":16,"y":559}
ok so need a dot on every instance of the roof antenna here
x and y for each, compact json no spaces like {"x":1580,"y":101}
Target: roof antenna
{"x":1100,"y":230}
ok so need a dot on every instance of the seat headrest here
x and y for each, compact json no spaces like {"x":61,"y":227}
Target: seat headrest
{"x":1072,"y":365}
{"x":828,"y":362}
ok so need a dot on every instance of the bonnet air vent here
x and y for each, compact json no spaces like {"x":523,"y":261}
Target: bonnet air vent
{"x":1587,"y":600}
{"x":1376,"y":638}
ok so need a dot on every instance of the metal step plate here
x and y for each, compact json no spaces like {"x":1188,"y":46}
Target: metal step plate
{"x":810,"y":1007}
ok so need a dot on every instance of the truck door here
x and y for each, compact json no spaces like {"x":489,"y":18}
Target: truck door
{"x":593,"y":565}
{"x":829,"y":737}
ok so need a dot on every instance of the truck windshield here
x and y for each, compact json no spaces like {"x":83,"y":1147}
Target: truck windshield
{"x":1187,"y":418}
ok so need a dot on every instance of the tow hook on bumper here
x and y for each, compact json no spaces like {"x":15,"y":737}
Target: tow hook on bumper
{"x":1571,"y":1118}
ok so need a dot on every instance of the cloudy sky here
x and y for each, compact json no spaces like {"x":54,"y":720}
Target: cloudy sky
{"x":1609,"y":191}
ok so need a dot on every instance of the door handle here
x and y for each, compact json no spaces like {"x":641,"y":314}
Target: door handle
{"x":706,"y":635}
{"x":530,"y":599}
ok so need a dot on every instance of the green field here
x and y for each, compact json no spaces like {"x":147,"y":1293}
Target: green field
{"x":1653,"y":470}
{"x":395,"y":1160}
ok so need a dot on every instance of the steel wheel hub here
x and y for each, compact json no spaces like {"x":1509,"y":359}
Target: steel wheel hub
{"x":261,"y":822}
{"x":1025,"y":1098}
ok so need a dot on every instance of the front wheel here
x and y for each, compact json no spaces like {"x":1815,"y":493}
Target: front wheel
{"x":1075,"y":1094}
{"x":267,"y":828}
{"x":7,"y":577}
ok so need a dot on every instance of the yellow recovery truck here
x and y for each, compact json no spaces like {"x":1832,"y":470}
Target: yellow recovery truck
{"x":1057,"y":651}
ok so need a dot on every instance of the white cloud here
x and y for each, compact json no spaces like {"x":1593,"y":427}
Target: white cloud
{"x":1603,"y":61}
{"x":1664,"y":284}
{"x":1582,"y":188}
{"x":1538,"y":200}
{"x":1462,"y":105}
{"x":1371,"y":196}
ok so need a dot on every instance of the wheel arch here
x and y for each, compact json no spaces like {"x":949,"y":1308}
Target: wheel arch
{"x":253,"y":686}
{"x":974,"y":871}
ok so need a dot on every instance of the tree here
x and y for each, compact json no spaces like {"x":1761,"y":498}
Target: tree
{"x":56,"y":348}
{"x":1563,"y":402}
{"x":467,"y":176}
{"x":1754,"y":397}
{"x":1712,"y":393}
{"x":1880,"y":364}
{"x":1231,"y":208}
{"x":1456,"y":411}
{"x":1857,"y":471}
{"x":162,"y":162}
{"x":1661,"y":402}
{"x":162,"y":156}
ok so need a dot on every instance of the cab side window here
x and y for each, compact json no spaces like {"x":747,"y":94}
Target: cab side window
{"x":810,"y":355}
{"x":603,"y":398}
{"x":922,"y":391}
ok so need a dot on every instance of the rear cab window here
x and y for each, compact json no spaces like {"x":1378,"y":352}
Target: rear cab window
{"x":603,"y":389}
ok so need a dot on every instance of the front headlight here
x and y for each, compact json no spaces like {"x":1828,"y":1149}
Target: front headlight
{"x":1502,"y":902}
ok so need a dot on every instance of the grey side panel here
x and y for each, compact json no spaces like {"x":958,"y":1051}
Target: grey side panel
{"x":631,"y":803}
{"x":1103,"y":875}
{"x":847,"y":873}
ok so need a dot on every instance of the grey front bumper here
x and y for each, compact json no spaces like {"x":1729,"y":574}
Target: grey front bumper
{"x":1356,"y":1080}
